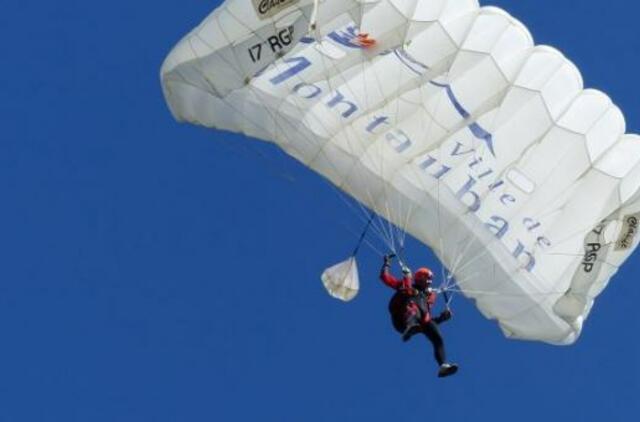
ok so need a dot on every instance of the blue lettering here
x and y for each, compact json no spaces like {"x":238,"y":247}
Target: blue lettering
{"x":345,"y":37}
{"x":498,"y":225}
{"x":339,"y":99}
{"x":485,"y":174}
{"x":377,"y":122}
{"x":506,"y":198}
{"x":543,"y":242}
{"x":401,"y":142}
{"x":496,"y":185}
{"x":530,"y":224}
{"x":411,"y":63}
{"x":429,"y":162}
{"x":301,"y":63}
{"x":443,"y":170}
{"x":520,"y":251}
{"x":312,"y":93}
{"x":466,"y":190}
{"x":457,"y":150}
{"x":475,"y":162}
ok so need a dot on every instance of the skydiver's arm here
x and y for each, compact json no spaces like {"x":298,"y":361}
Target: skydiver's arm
{"x":443,"y":317}
{"x":388,"y":279}
{"x":406,"y":282}
{"x":431,"y":299}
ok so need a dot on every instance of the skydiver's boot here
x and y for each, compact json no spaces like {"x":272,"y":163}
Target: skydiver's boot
{"x":447,"y":369}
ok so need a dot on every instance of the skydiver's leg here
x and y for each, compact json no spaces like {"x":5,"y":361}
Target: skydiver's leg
{"x":432,"y":332}
{"x":412,"y":321}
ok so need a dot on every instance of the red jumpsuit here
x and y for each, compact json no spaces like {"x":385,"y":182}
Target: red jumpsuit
{"x":409,"y":306}
{"x":410,"y":310}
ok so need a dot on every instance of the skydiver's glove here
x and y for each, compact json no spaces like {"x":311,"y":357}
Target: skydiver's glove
{"x":444,"y":316}
{"x":406,"y":271}
{"x":388,"y":259}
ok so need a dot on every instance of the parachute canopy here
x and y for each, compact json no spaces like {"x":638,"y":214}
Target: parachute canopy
{"x":444,"y":118}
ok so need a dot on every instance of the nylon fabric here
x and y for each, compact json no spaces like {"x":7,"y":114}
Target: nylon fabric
{"x":453,"y":127}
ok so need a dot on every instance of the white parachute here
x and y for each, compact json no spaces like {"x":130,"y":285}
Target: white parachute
{"x":341,"y":280}
{"x":445,"y":119}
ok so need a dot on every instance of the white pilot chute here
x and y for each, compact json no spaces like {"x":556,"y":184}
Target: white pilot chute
{"x":341,"y":280}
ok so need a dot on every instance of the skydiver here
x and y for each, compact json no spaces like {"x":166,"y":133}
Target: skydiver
{"x":410,"y":309}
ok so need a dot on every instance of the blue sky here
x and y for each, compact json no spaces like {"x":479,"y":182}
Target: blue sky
{"x":153,"y":271}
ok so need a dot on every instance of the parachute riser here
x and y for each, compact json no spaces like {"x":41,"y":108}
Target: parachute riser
{"x":363,"y":234}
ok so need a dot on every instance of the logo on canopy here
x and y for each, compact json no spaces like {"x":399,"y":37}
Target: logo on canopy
{"x":269,"y":8}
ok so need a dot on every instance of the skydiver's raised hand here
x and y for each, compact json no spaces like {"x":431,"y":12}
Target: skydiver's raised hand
{"x":388,"y":259}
